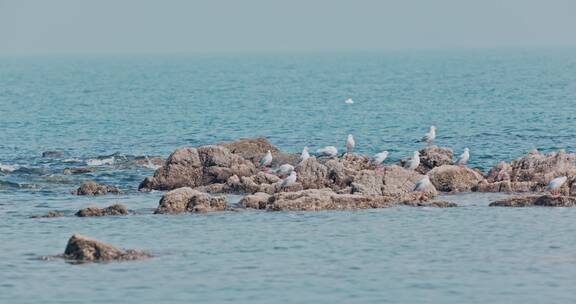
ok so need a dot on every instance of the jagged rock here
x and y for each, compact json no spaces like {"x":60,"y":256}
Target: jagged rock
{"x":251,"y":149}
{"x":82,"y":170}
{"x":53,"y":154}
{"x":260,"y":182}
{"x":116,"y":209}
{"x":257,"y":200}
{"x":189,"y":200}
{"x":84,"y":249}
{"x":312,"y":174}
{"x":325,"y":199}
{"x":450,"y":178}
{"x":435,"y":204}
{"x":50,"y":214}
{"x":531,"y":172}
{"x":533,"y":201}
{"x":392,"y":180}
{"x":432,"y":157}
{"x":92,"y":188}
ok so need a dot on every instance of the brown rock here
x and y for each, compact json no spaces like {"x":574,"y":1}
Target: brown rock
{"x":450,"y":178}
{"x":189,"y":200}
{"x":50,"y":214}
{"x":81,"y":170}
{"x":535,"y":201}
{"x":251,"y":149}
{"x":83,"y":249}
{"x":312,"y":174}
{"x":432,"y":157}
{"x":116,"y":209}
{"x":392,"y":181}
{"x":257,"y":200}
{"x":325,"y":199}
{"x":435,"y":204}
{"x":92,"y":188}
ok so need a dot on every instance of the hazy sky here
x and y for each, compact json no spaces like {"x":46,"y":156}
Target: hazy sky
{"x":137,"y":26}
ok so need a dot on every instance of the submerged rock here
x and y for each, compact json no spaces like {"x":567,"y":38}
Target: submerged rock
{"x":324,"y":199}
{"x":50,"y":214}
{"x":116,"y":209}
{"x":450,"y":178}
{"x":536,"y":201}
{"x":53,"y":154}
{"x":84,"y":249}
{"x":80,"y":170}
{"x":93,"y":188}
{"x":189,"y":200}
{"x":435,"y":204}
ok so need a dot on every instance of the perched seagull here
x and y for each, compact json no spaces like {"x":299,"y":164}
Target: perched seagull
{"x":555,"y":184}
{"x":421,"y":186}
{"x":305,"y":154}
{"x":266,"y":160}
{"x":430,"y":136}
{"x":378,"y":159}
{"x":329,"y":151}
{"x":464,"y":157}
{"x":349,"y":101}
{"x":289,"y":181}
{"x":350,"y":143}
{"x":413,"y":162}
{"x":285,"y":169}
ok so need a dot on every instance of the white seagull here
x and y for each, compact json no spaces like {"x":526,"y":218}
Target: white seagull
{"x":305,"y":154}
{"x":555,"y":184}
{"x":378,"y":159}
{"x":329,"y":151}
{"x":289,"y":181}
{"x":464,"y":157}
{"x":421,"y":186}
{"x":285,"y":169}
{"x":349,"y":101}
{"x":266,"y":160}
{"x":413,"y":162}
{"x":350,"y":143}
{"x":430,"y":136}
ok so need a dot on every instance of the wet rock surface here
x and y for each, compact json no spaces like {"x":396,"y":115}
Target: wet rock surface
{"x":435,"y":204}
{"x":450,"y":178}
{"x":93,"y":188}
{"x":50,"y":214}
{"x":82,"y":249}
{"x":189,"y":200}
{"x":116,"y":209}
{"x":536,"y":201}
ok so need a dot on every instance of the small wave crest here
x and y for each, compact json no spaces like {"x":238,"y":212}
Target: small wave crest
{"x":8,"y":168}
{"x":100,"y":162}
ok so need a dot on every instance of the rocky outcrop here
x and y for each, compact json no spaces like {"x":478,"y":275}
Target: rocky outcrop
{"x":253,"y":149}
{"x":391,"y":181}
{"x":450,"y":178}
{"x":80,"y":170}
{"x":260,"y":182}
{"x":434,"y":204}
{"x":432,"y":157}
{"x":53,"y":154}
{"x":83,"y":249}
{"x":50,"y":214}
{"x":189,"y":200}
{"x":116,"y":209}
{"x":324,"y":199}
{"x":536,"y":201}
{"x":257,"y":200}
{"x":149,"y":161}
{"x":190,"y":167}
{"x":93,"y":188}
{"x":531,"y":172}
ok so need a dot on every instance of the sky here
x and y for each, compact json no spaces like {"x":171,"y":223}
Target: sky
{"x":205,"y":26}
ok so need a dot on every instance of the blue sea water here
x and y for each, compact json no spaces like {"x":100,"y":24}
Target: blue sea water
{"x":499,"y":103}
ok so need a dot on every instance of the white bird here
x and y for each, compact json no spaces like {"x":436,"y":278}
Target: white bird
{"x":421,"y":186}
{"x":349,"y":101}
{"x":350,"y":143}
{"x":289,"y":181}
{"x":555,"y":184}
{"x":379,"y":158}
{"x":329,"y":151}
{"x":464,"y":157}
{"x":266,"y":160}
{"x":430,"y":136}
{"x":305,"y":154}
{"x":413,"y":162}
{"x":285,"y":169}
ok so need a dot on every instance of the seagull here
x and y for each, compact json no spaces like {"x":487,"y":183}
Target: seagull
{"x":413,"y":162}
{"x":378,"y":159}
{"x":464,"y":157}
{"x":555,"y":184}
{"x":350,"y":143}
{"x":266,"y":160}
{"x":349,"y":101}
{"x":421,"y":186}
{"x":289,"y":181}
{"x":305,"y":155}
{"x":430,"y":136}
{"x":285,"y":169}
{"x":329,"y":151}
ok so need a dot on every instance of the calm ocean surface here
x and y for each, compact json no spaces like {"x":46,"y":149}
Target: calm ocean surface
{"x":499,"y":103}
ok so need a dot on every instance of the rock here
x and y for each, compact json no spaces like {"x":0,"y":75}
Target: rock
{"x":84,"y":249}
{"x":312,"y":174}
{"x":325,"y":199}
{"x":82,"y":170}
{"x":534,"y":201}
{"x":531,"y":172}
{"x":189,"y":200}
{"x":435,"y":204}
{"x":251,"y":149}
{"x":151,"y":160}
{"x":50,"y":214}
{"x":116,"y":209}
{"x":257,"y":200}
{"x":92,"y":188}
{"x":450,"y":178}
{"x":432,"y":157}
{"x":53,"y":154}
{"x":392,"y":181}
